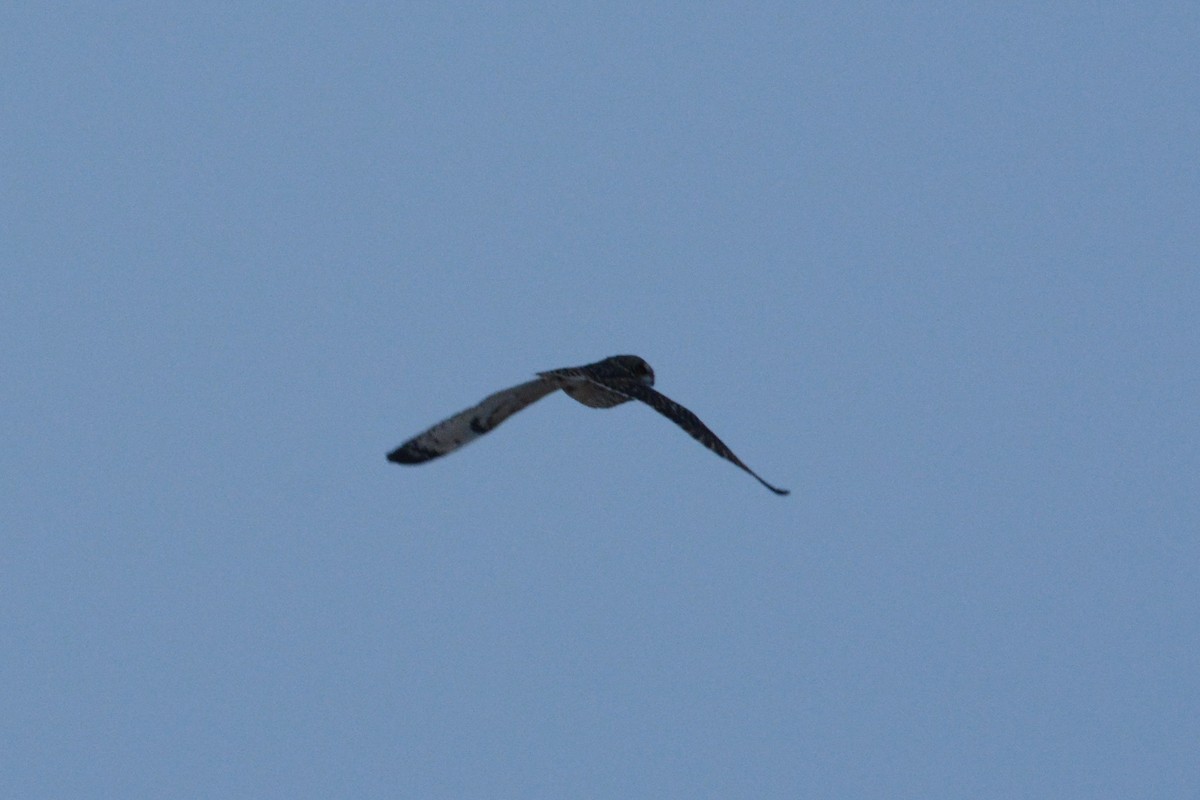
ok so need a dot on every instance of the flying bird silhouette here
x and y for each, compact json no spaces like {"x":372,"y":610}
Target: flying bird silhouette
{"x":607,"y":383}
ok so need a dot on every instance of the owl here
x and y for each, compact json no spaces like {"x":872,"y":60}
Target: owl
{"x":604,"y":384}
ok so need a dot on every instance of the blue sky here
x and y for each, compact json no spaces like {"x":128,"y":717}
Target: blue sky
{"x":932,"y":267}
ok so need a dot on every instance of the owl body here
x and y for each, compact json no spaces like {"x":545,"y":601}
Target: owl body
{"x":584,"y":383}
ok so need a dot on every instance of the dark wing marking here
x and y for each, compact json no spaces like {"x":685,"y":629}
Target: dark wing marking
{"x":469,"y":424}
{"x":684,"y":419}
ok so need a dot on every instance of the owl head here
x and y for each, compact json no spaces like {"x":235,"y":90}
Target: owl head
{"x":634,"y":367}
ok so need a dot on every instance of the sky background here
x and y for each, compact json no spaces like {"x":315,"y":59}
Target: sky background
{"x":933,"y":267}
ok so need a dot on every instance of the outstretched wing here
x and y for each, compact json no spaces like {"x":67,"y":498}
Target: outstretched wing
{"x":469,"y":424}
{"x":684,"y":419}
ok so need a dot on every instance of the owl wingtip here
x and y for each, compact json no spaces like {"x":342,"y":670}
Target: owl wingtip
{"x":409,"y":455}
{"x":775,"y":489}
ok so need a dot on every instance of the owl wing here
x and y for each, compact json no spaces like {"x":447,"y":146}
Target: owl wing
{"x":469,"y":424}
{"x":684,"y":419}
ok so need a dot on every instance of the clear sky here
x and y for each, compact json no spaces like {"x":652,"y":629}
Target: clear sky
{"x":932,"y":266}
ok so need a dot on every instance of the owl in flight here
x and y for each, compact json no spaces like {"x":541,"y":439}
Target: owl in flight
{"x":604,"y":384}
